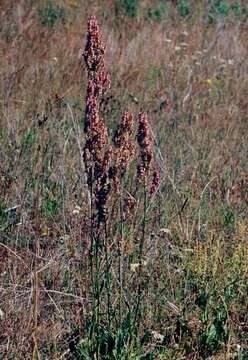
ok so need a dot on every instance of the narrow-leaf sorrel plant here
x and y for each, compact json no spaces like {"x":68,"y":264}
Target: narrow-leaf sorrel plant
{"x":106,"y":163}
{"x":96,"y":158}
{"x":145,"y":143}
{"x":124,"y":146}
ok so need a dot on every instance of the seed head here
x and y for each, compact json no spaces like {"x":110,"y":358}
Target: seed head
{"x":146,"y":145}
{"x":155,"y":181}
{"x":124,"y":143}
{"x":94,"y":126}
{"x":94,"y":57}
{"x":102,"y":191}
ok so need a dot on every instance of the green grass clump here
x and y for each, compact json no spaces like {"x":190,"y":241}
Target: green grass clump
{"x":51,"y":14}
{"x":130,"y":7}
{"x":184,"y":8}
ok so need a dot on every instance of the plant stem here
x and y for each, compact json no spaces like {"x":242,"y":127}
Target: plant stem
{"x":107,"y":275}
{"x":141,"y":248}
{"x":120,"y":256}
{"x":97,"y":293}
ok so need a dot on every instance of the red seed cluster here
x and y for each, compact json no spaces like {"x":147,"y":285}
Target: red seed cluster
{"x":94,"y":57}
{"x":124,"y":144}
{"x":106,"y":165}
{"x":98,"y":81}
{"x":97,"y":155}
{"x":102,"y":191}
{"x":146,"y":145}
{"x":155,"y":182}
{"x":96,"y":138}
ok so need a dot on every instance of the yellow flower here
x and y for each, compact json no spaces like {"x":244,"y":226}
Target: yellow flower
{"x":209,"y":82}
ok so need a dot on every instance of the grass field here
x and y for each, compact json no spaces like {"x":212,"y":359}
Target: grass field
{"x":141,"y":252}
